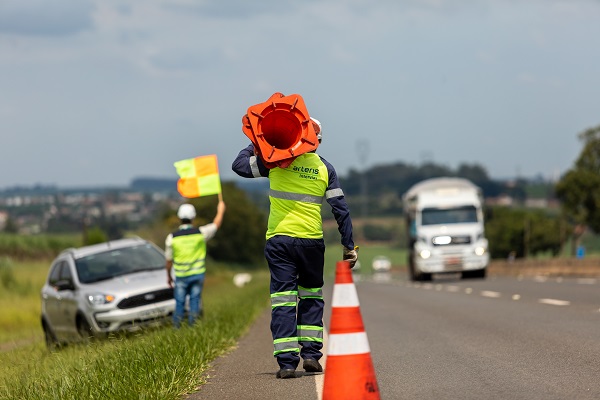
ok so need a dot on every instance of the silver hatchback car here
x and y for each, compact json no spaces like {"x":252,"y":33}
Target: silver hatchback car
{"x":95,"y":290}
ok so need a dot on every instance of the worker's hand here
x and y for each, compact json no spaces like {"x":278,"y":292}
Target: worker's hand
{"x":170,"y":281}
{"x":350,"y":255}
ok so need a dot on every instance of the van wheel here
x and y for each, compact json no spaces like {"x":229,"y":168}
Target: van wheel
{"x":425,"y":277}
{"x":477,"y":274}
{"x":411,"y":268}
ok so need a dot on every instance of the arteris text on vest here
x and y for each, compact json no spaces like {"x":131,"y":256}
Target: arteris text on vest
{"x":306,"y":170}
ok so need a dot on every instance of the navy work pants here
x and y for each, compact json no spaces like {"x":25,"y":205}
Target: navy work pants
{"x":296,"y":262}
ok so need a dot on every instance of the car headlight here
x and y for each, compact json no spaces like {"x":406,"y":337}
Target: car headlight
{"x":480,"y":251}
{"x":425,"y":254}
{"x":98,"y":299}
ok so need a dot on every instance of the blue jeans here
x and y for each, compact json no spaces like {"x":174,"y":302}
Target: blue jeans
{"x":188,"y":286}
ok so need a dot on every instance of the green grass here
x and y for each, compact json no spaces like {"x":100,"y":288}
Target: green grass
{"x":36,"y":246}
{"x":20,"y":307}
{"x":160,"y":363}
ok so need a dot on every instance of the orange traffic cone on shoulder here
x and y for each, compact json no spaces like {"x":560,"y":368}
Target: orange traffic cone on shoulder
{"x":349,"y":372}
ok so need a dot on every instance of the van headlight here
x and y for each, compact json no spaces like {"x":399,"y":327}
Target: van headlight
{"x":98,"y":299}
{"x":480,"y":250}
{"x":425,"y":254}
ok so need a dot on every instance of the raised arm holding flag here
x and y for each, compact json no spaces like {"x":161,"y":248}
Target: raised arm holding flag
{"x":185,"y":249}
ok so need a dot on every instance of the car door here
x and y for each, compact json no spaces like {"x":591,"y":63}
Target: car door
{"x":68,"y":301}
{"x":51,"y":299}
{"x":59,"y":297}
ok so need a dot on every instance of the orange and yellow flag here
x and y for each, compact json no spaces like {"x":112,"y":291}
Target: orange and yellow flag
{"x":198,"y":176}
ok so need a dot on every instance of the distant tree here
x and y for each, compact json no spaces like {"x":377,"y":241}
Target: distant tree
{"x":11,"y":226}
{"x":524,"y":232}
{"x":579,"y":189}
{"x":397,"y":178}
{"x":94,"y":235}
{"x":472,"y":172}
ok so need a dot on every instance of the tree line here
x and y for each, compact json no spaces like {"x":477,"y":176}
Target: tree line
{"x":377,"y":192}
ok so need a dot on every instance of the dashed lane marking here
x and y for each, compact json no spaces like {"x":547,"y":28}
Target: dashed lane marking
{"x":554,"y":302}
{"x":587,"y":281}
{"x":489,"y":293}
{"x":495,"y":295}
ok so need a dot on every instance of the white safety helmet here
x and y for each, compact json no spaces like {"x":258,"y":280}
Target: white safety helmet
{"x":320,"y":133}
{"x":186,"y":211}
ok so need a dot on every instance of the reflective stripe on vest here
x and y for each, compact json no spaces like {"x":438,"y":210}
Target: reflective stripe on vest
{"x":296,"y":195}
{"x":284,"y":299}
{"x":310,"y":333}
{"x":310,"y":293}
{"x":189,"y":252}
{"x":285,"y":345}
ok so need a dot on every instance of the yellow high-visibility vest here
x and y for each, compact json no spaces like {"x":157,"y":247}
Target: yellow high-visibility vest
{"x":189,"y":252}
{"x":296,"y":196}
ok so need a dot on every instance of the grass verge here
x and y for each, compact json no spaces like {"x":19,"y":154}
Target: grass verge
{"x":162,"y":363}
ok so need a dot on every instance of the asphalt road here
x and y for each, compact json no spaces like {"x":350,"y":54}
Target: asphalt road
{"x":499,"y":338}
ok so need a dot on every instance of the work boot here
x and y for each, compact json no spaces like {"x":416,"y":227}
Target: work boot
{"x":286,"y":373}
{"x":312,"y":365}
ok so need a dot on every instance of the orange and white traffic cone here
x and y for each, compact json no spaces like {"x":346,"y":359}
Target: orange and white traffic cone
{"x":349,"y":372}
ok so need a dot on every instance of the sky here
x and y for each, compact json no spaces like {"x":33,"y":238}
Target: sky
{"x":99,"y":92}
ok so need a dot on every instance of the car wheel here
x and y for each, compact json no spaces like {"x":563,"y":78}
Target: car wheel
{"x":51,"y":342}
{"x":84,"y":329}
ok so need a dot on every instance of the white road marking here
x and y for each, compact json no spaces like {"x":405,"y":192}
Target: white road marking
{"x":554,"y":302}
{"x":492,"y":294}
{"x":587,"y":281}
{"x":320,"y":378}
{"x":489,"y":293}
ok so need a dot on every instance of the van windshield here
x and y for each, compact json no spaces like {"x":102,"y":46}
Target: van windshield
{"x":116,"y":262}
{"x":445,"y":216}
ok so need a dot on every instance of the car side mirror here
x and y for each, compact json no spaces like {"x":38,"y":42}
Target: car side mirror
{"x":65,"y":284}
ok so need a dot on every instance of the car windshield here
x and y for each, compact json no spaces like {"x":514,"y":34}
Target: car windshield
{"x":112,"y":263}
{"x":444,"y":216}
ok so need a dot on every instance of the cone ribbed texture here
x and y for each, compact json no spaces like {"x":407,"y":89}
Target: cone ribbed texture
{"x":349,"y":372}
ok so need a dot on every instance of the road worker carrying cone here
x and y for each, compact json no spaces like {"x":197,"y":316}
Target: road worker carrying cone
{"x":295,"y":248}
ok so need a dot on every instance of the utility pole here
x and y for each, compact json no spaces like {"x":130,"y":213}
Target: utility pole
{"x":363,"y":153}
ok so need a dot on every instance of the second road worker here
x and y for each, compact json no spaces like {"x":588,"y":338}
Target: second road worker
{"x":295,"y":251}
{"x":185,"y":251}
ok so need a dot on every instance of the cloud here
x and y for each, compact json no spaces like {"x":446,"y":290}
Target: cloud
{"x":233,"y":9}
{"x":183,"y":59}
{"x":41,"y":17}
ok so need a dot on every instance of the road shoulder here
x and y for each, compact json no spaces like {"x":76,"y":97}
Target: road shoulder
{"x":248,"y":371}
